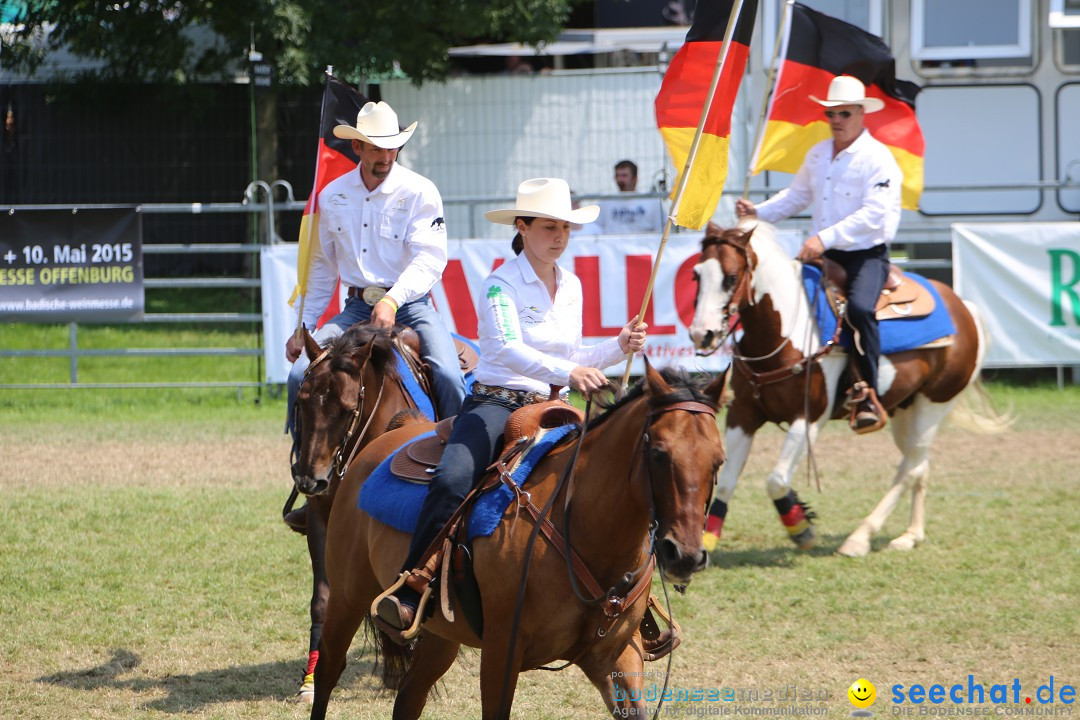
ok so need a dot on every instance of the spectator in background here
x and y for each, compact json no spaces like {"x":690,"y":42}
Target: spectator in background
{"x":635,"y":214}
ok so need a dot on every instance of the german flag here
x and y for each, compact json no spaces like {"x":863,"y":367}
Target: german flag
{"x":684,"y":93}
{"x":815,"y":49}
{"x":340,"y":105}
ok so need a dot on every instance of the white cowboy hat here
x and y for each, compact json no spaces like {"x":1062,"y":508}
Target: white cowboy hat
{"x":376,"y":123}
{"x":847,"y":90}
{"x":544,"y":198}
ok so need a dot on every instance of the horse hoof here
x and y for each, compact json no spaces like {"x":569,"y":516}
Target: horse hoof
{"x":806,"y":540}
{"x":307,"y":690}
{"x":904,"y":542}
{"x":854,"y":548}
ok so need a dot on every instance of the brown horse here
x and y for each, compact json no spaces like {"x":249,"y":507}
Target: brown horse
{"x":784,"y":374}
{"x":349,"y":395}
{"x":651,"y":456}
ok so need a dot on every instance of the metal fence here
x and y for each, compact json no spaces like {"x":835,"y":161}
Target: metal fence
{"x":919,"y":246}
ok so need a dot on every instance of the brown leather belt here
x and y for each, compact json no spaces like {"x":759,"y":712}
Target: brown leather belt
{"x":518,"y":397}
{"x":370,"y":294}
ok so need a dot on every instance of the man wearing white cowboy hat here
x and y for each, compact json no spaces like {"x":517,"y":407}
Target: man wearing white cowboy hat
{"x":853,"y":184}
{"x":530,"y":338}
{"x":381,"y":231}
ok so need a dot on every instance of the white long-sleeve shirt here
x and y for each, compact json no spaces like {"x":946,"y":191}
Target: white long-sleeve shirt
{"x":529,"y":341}
{"x":393,"y":237}
{"x":855,"y":196}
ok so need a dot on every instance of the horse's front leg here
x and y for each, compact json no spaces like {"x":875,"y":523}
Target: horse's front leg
{"x":498,"y":678}
{"x":621,"y":681}
{"x":791,"y":510}
{"x":743,"y":421}
{"x":318,"y":514}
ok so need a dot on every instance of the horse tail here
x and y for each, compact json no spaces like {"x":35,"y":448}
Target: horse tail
{"x":408,"y":416}
{"x":392,"y":661}
{"x":975,"y":412}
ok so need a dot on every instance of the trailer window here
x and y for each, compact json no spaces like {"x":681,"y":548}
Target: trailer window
{"x":976,"y":136}
{"x":1068,"y":150}
{"x":943,"y":35}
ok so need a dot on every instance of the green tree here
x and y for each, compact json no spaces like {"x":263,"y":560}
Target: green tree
{"x":178,"y":41}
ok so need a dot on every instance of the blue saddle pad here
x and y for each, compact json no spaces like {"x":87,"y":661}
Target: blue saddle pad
{"x":423,"y":402}
{"x":896,"y":335}
{"x":396,"y":502}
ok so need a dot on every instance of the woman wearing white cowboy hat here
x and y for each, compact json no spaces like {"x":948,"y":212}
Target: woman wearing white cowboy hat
{"x":853,"y":183}
{"x":530,"y":338}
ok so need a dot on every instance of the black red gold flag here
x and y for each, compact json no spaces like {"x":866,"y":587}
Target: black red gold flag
{"x":816,"y":48}
{"x":684,"y":93}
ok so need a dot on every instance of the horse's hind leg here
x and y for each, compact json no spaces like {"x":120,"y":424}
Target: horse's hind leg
{"x":432,"y":657}
{"x":793,"y":512}
{"x":914,"y":429}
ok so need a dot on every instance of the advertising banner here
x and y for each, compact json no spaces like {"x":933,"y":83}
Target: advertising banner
{"x":614,"y":273}
{"x":1025,"y":280}
{"x":64,"y":266}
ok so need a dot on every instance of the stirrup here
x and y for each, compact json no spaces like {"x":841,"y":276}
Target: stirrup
{"x":401,"y":636}
{"x":863,"y":421}
{"x":658,"y":643}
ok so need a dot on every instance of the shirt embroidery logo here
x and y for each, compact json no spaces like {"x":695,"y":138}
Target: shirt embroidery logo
{"x":504,"y":316}
{"x":882,"y":184}
{"x":339,"y":200}
{"x":438,"y":223}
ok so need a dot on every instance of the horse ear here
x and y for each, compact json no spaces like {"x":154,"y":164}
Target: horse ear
{"x":654,"y":384}
{"x":716,"y":388}
{"x":310,"y":346}
{"x":741,"y":237}
{"x":713,"y":230}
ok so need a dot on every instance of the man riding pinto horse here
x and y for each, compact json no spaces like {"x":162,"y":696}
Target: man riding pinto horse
{"x":853,"y":184}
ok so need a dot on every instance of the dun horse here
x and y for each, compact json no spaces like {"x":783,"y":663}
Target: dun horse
{"x":785,"y":372}
{"x":351,"y":391}
{"x":651,"y":457}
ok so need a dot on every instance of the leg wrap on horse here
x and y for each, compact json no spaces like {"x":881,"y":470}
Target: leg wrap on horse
{"x":797,"y":518}
{"x":714,"y":524}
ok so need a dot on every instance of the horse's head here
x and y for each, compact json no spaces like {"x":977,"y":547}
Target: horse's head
{"x":683,"y":453}
{"x":335,"y":400}
{"x":723,"y":274}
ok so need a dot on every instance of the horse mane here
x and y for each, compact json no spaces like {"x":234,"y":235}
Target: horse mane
{"x":347,"y":349}
{"x":684,"y":387}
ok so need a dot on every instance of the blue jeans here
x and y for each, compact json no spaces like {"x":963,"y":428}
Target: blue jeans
{"x":436,"y":349}
{"x":475,"y":442}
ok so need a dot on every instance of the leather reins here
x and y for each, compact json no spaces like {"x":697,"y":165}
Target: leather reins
{"x":758,"y":380}
{"x":618,"y":597}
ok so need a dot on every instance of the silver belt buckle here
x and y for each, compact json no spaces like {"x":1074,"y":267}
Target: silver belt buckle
{"x":373,"y":294}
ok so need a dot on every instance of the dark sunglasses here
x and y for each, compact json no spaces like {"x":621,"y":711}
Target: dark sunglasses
{"x":844,"y":114}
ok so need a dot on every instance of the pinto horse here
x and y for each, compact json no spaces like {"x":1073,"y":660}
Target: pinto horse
{"x":643,"y":477}
{"x":785,"y":373}
{"x":350,"y":393}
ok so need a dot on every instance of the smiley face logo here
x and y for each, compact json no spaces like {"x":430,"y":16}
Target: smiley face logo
{"x":862,"y":693}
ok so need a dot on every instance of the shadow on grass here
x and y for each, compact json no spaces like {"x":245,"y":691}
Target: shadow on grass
{"x":782,"y":556}
{"x":187,"y":693}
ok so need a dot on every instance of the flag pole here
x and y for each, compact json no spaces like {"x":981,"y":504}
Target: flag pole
{"x":736,"y":10}
{"x":769,"y":87}
{"x":305,"y":262}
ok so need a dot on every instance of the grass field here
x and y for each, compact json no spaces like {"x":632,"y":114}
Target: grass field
{"x":146,"y":573}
